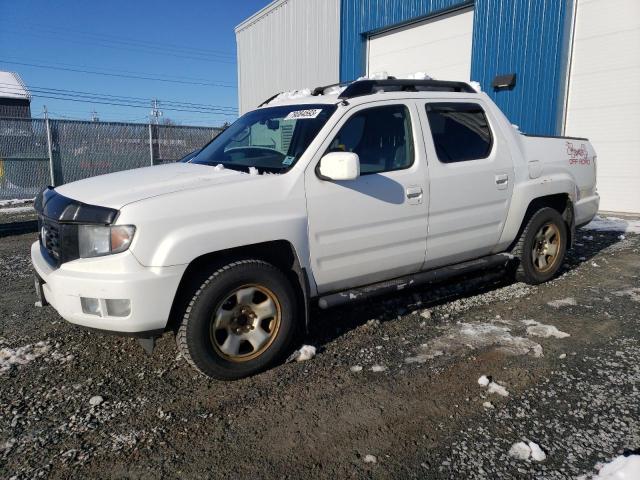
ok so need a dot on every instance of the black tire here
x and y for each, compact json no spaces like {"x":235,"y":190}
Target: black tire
{"x":198,"y":339}
{"x":529,"y":270}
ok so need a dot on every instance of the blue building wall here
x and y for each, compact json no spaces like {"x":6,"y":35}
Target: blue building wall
{"x":526,"y":37}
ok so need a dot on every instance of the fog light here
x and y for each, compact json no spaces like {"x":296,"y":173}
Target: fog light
{"x":91,"y":306}
{"x":118,"y":307}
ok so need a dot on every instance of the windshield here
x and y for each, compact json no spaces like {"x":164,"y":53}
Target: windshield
{"x":268,"y":139}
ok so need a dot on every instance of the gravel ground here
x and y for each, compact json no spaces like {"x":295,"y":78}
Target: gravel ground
{"x":77,"y":404}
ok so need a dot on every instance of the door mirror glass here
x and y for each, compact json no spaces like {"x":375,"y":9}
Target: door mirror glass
{"x":340,"y":166}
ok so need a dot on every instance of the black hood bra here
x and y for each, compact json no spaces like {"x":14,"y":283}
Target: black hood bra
{"x":59,"y":208}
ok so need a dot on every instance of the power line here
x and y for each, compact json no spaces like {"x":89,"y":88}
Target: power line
{"x":137,"y":77}
{"x":147,"y":50}
{"x":105,"y":96}
{"x":128,"y":40}
{"x":116,"y":70}
{"x":133,"y":106}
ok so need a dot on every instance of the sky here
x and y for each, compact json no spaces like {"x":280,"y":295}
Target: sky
{"x":185,"y":51}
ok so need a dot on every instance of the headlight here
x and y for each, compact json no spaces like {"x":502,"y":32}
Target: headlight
{"x":98,"y":240}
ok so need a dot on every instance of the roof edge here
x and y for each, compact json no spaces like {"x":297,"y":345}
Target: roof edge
{"x":21,"y":90}
{"x":259,"y":14}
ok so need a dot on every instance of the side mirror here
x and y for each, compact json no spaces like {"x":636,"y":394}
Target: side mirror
{"x":339,"y":166}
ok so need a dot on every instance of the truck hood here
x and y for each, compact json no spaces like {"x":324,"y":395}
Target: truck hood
{"x":116,"y":190}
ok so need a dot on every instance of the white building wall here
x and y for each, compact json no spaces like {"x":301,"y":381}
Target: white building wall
{"x":289,"y":44}
{"x":604,"y":96}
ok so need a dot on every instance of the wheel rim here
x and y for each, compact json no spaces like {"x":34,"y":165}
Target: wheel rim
{"x":546,"y":246}
{"x":245,"y":323}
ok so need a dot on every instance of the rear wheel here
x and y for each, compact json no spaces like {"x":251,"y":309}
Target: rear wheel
{"x":240,"y":321}
{"x":541,"y":247}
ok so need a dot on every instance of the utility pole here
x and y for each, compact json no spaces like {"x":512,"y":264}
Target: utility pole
{"x":156,"y":113}
{"x":47,"y":127}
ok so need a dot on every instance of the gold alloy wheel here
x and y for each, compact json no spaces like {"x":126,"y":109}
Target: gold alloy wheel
{"x":245,"y":323}
{"x":546,"y":246}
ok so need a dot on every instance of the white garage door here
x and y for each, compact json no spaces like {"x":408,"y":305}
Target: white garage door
{"x":604,"y":96}
{"x":440,"y":47}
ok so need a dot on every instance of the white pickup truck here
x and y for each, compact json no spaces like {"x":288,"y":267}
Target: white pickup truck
{"x":326,"y":199}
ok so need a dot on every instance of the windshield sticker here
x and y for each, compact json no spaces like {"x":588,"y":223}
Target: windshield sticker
{"x":303,"y":114}
{"x":288,"y":160}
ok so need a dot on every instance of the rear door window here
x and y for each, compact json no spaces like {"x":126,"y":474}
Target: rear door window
{"x":460,"y":131}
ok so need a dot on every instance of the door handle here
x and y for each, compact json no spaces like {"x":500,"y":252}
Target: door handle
{"x":502,"y":181}
{"x":414,"y":192}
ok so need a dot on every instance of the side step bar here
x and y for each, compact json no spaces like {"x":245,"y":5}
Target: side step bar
{"x":420,"y":278}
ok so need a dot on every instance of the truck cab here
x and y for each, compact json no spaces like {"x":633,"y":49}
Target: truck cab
{"x":323,"y":197}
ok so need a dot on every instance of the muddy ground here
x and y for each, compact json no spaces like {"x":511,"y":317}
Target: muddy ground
{"x":421,"y":415}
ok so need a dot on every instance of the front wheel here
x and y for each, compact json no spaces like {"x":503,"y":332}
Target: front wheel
{"x":239,"y":322}
{"x":541,"y":247}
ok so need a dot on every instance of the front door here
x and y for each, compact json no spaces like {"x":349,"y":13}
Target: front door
{"x":374,"y":227}
{"x":471,"y":179}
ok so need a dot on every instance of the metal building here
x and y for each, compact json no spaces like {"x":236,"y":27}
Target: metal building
{"x":576,"y":62}
{"x":15,"y":99}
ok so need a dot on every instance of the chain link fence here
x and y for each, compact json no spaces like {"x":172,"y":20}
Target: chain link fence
{"x":35,"y":153}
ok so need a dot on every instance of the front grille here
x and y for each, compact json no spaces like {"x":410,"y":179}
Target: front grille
{"x":59,"y":240}
{"x":50,"y":238}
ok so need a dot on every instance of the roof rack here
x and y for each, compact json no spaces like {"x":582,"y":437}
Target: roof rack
{"x":269,"y":99}
{"x":320,"y":90}
{"x":359,"y":88}
{"x":367,"y":87}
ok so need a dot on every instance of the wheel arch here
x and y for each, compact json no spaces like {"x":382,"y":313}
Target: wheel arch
{"x":280,"y":253}
{"x":561,"y":202}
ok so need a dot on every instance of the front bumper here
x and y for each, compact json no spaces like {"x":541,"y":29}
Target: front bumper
{"x":151,"y":290}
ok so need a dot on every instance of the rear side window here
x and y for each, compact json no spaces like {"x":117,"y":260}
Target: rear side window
{"x":460,"y":131}
{"x":381,"y":136}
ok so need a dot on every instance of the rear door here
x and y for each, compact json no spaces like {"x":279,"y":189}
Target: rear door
{"x":374,"y":227}
{"x":471,"y":180}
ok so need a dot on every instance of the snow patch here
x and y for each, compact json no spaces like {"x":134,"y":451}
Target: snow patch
{"x":464,"y":336}
{"x":620,"y":468}
{"x":14,"y":201}
{"x":304,"y":353}
{"x":356,"y":368}
{"x":613,"y":224}
{"x":334,"y":90}
{"x":417,"y":76}
{"x":292,"y":95}
{"x":564,"y":302}
{"x":370,"y":459}
{"x":545,"y":331}
{"x":537,"y":453}
{"x":16,"y":210}
{"x":632,"y":293}
{"x":378,"y":368}
{"x":526,"y":451}
{"x":478,"y":88}
{"x":520,"y":451}
{"x":10,"y":357}
{"x":498,"y":389}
